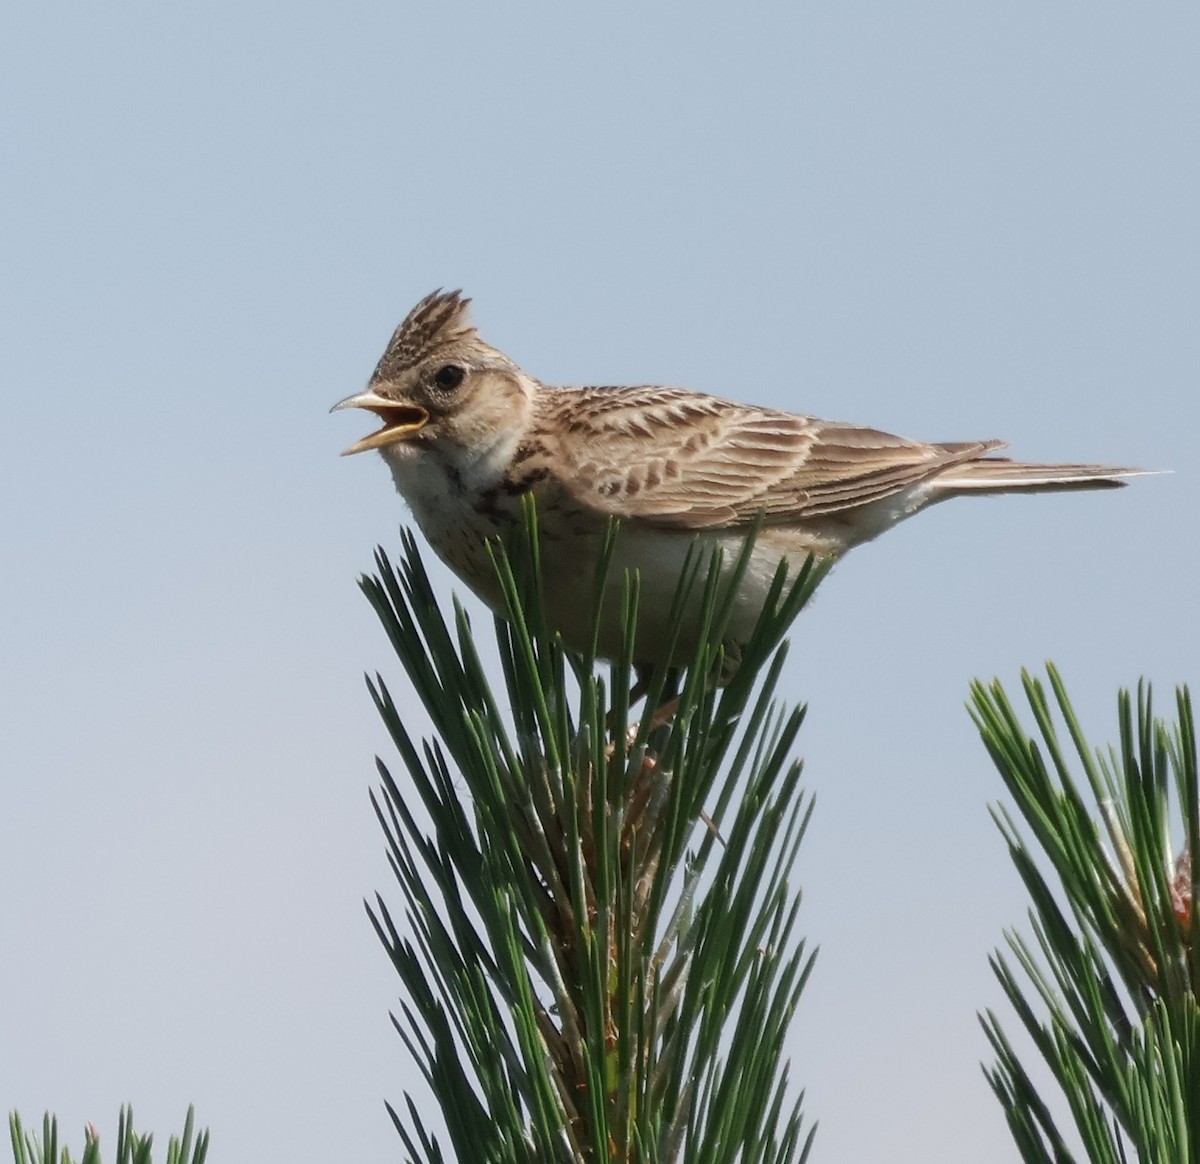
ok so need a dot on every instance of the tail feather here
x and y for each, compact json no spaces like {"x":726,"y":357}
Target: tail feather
{"x":1001,"y":475}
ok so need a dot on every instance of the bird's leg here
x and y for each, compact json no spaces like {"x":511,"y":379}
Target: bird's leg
{"x":641,"y":686}
{"x":665,"y":711}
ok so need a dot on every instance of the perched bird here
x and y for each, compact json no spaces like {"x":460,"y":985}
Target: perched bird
{"x":466,"y":433}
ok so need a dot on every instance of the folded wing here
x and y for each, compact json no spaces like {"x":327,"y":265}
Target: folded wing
{"x":680,"y":459}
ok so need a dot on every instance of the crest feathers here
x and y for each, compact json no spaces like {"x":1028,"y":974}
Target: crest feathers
{"x":441,"y":318}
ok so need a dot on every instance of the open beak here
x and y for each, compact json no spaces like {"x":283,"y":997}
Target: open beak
{"x":400,"y":421}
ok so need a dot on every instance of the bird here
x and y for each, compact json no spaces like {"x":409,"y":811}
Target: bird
{"x":467,"y":434}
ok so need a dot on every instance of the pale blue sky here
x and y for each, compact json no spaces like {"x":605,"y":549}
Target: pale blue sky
{"x":952,"y":220}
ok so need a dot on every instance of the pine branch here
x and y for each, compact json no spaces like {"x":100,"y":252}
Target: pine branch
{"x":1109,"y":990}
{"x":598,"y":949}
{"x":131,"y":1148}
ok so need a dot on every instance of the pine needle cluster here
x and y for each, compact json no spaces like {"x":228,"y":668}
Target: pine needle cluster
{"x":1109,"y":988}
{"x":598,"y":946}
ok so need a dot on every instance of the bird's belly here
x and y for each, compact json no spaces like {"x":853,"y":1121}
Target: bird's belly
{"x":661,"y":558}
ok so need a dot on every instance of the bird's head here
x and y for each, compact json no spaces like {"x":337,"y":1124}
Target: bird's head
{"x":439,"y":384}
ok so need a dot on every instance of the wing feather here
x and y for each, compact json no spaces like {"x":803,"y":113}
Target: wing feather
{"x":685,"y":460}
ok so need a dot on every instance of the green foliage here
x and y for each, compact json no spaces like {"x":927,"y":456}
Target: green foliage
{"x":1115,"y":967}
{"x":593,"y":968}
{"x":131,"y":1147}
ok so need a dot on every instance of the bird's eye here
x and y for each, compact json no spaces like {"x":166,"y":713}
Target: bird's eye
{"x":450,"y":376}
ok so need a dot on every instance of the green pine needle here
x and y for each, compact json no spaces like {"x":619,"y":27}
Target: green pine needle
{"x":1109,"y":990}
{"x":598,"y":951}
{"x":131,"y":1148}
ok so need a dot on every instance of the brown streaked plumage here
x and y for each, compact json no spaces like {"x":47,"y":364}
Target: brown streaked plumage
{"x":466,"y":433}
